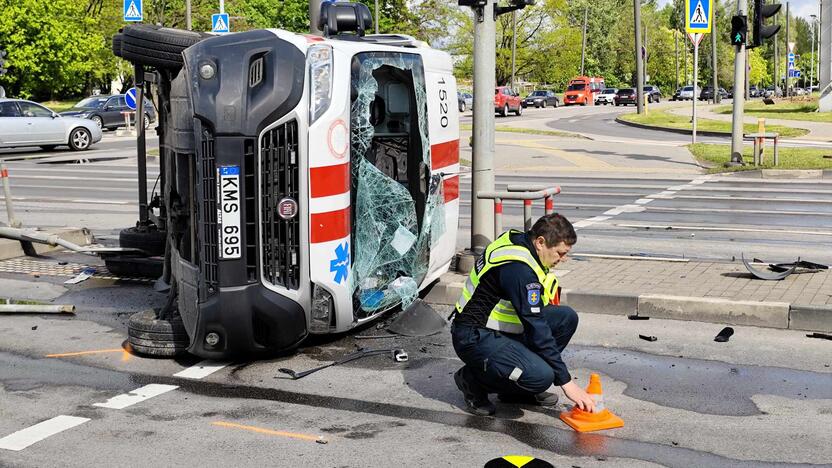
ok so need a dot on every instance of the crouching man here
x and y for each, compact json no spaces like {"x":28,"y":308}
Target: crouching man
{"x":508,"y":328}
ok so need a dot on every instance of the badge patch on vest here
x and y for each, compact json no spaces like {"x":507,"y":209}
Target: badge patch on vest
{"x":534,"y":296}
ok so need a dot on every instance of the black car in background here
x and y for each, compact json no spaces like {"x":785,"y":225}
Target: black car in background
{"x":106,"y":111}
{"x":653,"y":93}
{"x":707,"y":93}
{"x":626,"y":96}
{"x":541,"y":98}
{"x":753,"y":91}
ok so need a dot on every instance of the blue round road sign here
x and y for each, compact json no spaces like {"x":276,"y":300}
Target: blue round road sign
{"x":130,"y":98}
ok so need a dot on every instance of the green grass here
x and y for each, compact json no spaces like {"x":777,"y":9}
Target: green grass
{"x":786,"y":110}
{"x":790,"y":158}
{"x":21,"y":302}
{"x":667,"y":120}
{"x":528,"y":131}
{"x":60,"y":106}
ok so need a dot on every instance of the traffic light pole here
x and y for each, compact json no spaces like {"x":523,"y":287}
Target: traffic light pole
{"x":825,"y":52}
{"x":739,"y":97}
{"x":639,"y":60}
{"x":716,"y":97}
{"x":314,"y":14}
{"x":485,"y":50}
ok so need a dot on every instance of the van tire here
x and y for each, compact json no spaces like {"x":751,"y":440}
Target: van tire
{"x":151,"y":336}
{"x":117,"y":40}
{"x":157,"y":46}
{"x":128,"y":266}
{"x":149,"y":240}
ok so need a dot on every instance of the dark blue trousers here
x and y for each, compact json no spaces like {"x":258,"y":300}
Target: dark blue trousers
{"x":492,"y":359}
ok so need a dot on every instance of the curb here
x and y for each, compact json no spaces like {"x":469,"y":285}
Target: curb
{"x":11,"y":248}
{"x":680,"y":131}
{"x":702,"y":309}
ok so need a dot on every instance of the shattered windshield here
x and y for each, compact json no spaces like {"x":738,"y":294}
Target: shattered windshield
{"x":398,"y":206}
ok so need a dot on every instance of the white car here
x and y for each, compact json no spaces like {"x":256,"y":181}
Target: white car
{"x":607,"y":96}
{"x":688,"y":93}
{"x":25,"y":123}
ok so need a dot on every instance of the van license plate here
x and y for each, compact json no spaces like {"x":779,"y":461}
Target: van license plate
{"x":228,"y":212}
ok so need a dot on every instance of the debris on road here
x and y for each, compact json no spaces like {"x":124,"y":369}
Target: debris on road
{"x":419,"y":319}
{"x":600,"y":419}
{"x":85,"y":274}
{"x":782,"y":270}
{"x":811,"y":266}
{"x":763,"y":275}
{"x":399,"y":355}
{"x":37,"y":309}
{"x":638,"y":317}
{"x":724,"y":335}
{"x":822,"y":336}
{"x":648,"y":338}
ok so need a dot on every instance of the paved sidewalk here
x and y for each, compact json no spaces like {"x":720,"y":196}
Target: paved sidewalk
{"x":686,"y":290}
{"x":818,"y":131}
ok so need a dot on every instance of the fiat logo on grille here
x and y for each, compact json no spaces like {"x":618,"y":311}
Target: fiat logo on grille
{"x":287,"y":208}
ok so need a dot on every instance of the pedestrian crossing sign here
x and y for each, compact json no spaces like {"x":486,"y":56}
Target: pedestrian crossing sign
{"x":700,"y":15}
{"x":219,"y":23}
{"x":133,"y":10}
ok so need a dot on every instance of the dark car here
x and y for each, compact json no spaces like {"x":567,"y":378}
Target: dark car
{"x":753,"y":91}
{"x":106,"y":111}
{"x":541,"y":98}
{"x":653,"y":93}
{"x":707,"y":93}
{"x":626,"y":96}
{"x":465,"y":101}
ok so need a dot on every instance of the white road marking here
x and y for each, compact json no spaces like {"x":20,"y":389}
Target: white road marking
{"x":201,"y":370}
{"x":136,"y":396}
{"x":725,"y":229}
{"x":590,"y":221}
{"x":71,"y":201}
{"x":26,"y":437}
{"x":643,"y":201}
{"x":625,"y":209}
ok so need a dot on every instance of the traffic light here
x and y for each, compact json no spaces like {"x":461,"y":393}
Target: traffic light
{"x":2,"y":62}
{"x":739,"y":30}
{"x":761,"y":12}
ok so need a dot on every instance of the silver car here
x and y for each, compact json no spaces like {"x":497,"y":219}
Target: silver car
{"x":25,"y":123}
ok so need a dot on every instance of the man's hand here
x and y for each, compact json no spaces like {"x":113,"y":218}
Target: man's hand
{"x":579,"y":396}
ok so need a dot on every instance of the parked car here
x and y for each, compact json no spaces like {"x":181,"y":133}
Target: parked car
{"x":799,"y":91}
{"x":506,"y":100}
{"x":707,"y":93}
{"x":541,"y":98}
{"x":654,"y":94}
{"x":753,"y":91}
{"x":773,"y":91}
{"x":675,"y":96}
{"x":466,"y":101}
{"x":606,"y":96}
{"x":106,"y":111}
{"x":25,"y":123}
{"x":626,"y":96}
{"x":688,"y":93}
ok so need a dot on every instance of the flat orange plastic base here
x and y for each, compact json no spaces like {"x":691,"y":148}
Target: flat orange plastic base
{"x":583,"y":421}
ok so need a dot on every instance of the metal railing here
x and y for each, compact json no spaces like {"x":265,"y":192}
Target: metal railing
{"x":527,"y":193}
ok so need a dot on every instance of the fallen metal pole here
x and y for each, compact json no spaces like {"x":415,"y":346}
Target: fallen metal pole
{"x":31,"y":235}
{"x":36,"y":309}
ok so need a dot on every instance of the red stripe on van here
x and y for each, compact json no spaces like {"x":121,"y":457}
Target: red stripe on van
{"x":444,"y":154}
{"x":329,"y":180}
{"x":451,"y":188}
{"x":330,"y":226}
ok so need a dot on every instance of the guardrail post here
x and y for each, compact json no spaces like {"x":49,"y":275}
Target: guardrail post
{"x":7,"y":194}
{"x":527,"y":214}
{"x":776,"y":156}
{"x":498,"y":217}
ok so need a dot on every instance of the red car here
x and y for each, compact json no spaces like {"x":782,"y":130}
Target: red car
{"x":506,"y":100}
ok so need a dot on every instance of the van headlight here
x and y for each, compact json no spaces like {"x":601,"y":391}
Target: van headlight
{"x":323,"y":308}
{"x":319,"y":57}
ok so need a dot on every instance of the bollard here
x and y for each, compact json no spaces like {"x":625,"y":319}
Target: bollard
{"x":498,"y":217}
{"x":761,"y":129}
{"x":527,"y":214}
{"x":549,"y":205}
{"x":7,"y":194}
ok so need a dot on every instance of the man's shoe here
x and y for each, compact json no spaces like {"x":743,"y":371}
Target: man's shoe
{"x":475,"y":402}
{"x":541,"y":399}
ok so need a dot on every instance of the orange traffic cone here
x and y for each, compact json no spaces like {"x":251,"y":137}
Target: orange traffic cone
{"x":602,"y":418}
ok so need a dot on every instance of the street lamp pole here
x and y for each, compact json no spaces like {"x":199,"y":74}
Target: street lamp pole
{"x":639,"y":60}
{"x":583,"y":41}
{"x":376,"y":16}
{"x":812,"y":65}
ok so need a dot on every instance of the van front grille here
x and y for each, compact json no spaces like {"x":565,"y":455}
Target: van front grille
{"x":280,"y":180}
{"x":208,"y":183}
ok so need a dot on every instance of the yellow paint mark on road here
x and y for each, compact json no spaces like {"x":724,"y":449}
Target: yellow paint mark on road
{"x":578,"y":159}
{"x":125,"y":356}
{"x":260,"y":430}
{"x":84,"y":353}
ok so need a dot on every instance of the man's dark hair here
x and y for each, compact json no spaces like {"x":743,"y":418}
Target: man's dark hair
{"x":554,"y":228}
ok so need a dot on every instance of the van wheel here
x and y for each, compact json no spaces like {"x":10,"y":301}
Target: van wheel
{"x":147,"y":239}
{"x":154,"y":337}
{"x":504,"y":112}
{"x":156,"y":46}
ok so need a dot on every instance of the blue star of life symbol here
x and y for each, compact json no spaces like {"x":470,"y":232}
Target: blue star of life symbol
{"x":341,"y":264}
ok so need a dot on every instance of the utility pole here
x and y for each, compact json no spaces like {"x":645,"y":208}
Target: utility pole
{"x":788,"y":51}
{"x":716,"y":96}
{"x":825,"y":51}
{"x":645,"y":57}
{"x":639,"y":61}
{"x":583,"y":40}
{"x":812,"y":65}
{"x":188,"y":14}
{"x":514,"y":47}
{"x":482,"y":177}
{"x":739,"y":97}
{"x":314,"y":15}
{"x":676,"y":56}
{"x":685,"y":55}
{"x":776,"y":65}
{"x":376,"y":16}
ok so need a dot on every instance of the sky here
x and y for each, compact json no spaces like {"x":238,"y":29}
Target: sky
{"x":802,"y":8}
